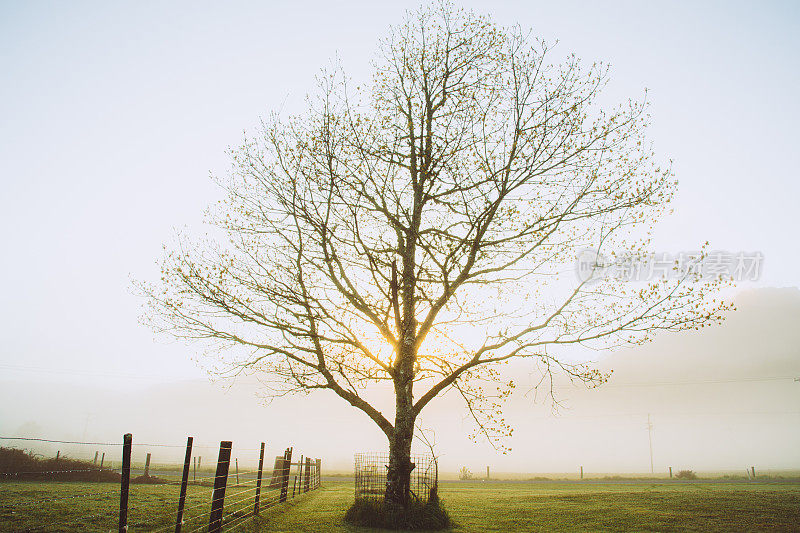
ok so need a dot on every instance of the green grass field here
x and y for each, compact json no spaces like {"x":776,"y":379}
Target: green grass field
{"x":473,"y":506}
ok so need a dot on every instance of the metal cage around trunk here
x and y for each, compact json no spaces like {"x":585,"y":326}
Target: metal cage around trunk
{"x":370,"y":476}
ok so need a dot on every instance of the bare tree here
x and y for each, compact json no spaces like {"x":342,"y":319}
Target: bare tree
{"x":411,"y":237}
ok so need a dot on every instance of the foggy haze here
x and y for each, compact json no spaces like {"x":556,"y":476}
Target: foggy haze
{"x":112,"y":118}
{"x":720,"y":400}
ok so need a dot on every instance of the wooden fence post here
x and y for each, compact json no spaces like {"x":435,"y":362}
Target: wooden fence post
{"x":58,"y":454}
{"x":127,"y":441}
{"x":237,"y":470}
{"x":306,"y":481}
{"x":581,"y":472}
{"x":184,"y":481}
{"x":258,"y":481}
{"x":194,"y":469}
{"x":220,"y":482}
{"x":147,"y":466}
{"x":754,"y":471}
{"x":102,"y":460}
{"x":670,"y":472}
{"x":319,"y":473}
{"x":96,"y":453}
{"x":287,"y":463}
{"x":300,"y":475}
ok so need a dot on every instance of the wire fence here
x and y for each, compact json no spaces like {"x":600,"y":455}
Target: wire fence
{"x":92,"y":495}
{"x":370,"y":476}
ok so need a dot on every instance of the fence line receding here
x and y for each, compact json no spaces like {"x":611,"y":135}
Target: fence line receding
{"x":184,"y":498}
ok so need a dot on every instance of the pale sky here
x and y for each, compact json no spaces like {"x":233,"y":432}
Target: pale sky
{"x":113,"y":115}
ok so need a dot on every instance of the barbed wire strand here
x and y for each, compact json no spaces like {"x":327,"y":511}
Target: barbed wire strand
{"x":155,"y":445}
{"x":194,"y":481}
{"x":42,"y":472}
{"x":267,"y":503}
{"x":270,"y":495}
{"x":243,"y":520}
{"x":214,"y":500}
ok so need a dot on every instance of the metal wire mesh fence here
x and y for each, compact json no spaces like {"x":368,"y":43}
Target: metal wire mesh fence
{"x":370,"y":476}
{"x":64,"y":494}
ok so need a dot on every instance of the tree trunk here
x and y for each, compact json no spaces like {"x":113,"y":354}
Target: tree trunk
{"x":398,"y":475}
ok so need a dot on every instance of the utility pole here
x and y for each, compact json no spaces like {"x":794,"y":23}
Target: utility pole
{"x":650,"y":438}
{"x":86,"y":425}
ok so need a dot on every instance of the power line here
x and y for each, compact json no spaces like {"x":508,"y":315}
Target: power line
{"x":702,"y":381}
{"x":687,"y":382}
{"x":91,"y":443}
{"x":650,"y":438}
{"x":159,"y":445}
{"x":78,"y":372}
{"x":64,"y":441}
{"x":563,"y":416}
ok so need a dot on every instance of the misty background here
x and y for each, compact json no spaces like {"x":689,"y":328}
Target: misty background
{"x":114,"y":115}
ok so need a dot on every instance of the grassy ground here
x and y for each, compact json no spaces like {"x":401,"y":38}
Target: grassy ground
{"x":473,"y":506}
{"x":54,"y":507}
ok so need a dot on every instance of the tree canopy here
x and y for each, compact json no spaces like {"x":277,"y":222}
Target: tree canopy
{"x":415,"y":232}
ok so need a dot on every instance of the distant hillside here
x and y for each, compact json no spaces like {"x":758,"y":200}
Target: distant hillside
{"x":18,"y":465}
